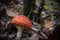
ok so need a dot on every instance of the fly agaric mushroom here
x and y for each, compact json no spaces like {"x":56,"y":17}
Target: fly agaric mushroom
{"x":23,"y":23}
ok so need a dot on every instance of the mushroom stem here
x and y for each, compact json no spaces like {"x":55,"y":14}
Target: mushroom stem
{"x":19,"y":32}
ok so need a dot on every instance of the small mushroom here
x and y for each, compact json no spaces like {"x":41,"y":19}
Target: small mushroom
{"x":22,"y":23}
{"x":47,"y":24}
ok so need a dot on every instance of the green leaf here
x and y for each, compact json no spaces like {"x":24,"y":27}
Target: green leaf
{"x":48,"y":7}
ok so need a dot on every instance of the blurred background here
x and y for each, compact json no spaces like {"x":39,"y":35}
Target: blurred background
{"x":43,"y":14}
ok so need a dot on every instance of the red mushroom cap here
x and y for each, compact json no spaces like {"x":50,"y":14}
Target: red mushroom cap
{"x":22,"y":21}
